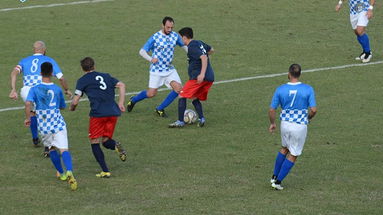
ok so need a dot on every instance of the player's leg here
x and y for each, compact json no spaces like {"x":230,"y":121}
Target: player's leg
{"x":95,"y":135}
{"x":110,"y":143}
{"x":281,"y":156}
{"x":173,"y":81}
{"x":201,"y":95}
{"x":181,"y":110}
{"x":47,"y":140}
{"x":359,"y":27}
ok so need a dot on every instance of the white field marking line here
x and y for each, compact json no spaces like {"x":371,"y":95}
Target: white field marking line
{"x":53,"y":5}
{"x":238,"y":79}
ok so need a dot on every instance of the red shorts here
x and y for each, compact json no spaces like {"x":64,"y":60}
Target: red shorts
{"x":102,"y":126}
{"x":193,"y":90}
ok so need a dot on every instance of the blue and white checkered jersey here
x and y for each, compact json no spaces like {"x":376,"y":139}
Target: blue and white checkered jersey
{"x":357,"y":6}
{"x":31,"y":68}
{"x":294,"y":99}
{"x":49,"y":99}
{"x":162,"y":47}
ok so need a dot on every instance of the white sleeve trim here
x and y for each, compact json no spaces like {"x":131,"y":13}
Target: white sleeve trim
{"x":59,"y":75}
{"x":78,"y":92}
{"x":145,"y":55}
{"x":185,"y":48}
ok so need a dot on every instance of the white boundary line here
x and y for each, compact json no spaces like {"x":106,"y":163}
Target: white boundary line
{"x":240,"y":79}
{"x":53,"y":5}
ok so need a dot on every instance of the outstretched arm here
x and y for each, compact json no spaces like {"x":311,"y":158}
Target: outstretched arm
{"x":121,"y":95}
{"x":74,"y":103}
{"x":64,"y":84}
{"x":14,"y":73}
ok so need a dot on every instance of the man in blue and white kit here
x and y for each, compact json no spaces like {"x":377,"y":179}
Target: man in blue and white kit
{"x":162,"y":71}
{"x":297,"y":101}
{"x":30,"y":67}
{"x":49,"y":99}
{"x":360,"y":14}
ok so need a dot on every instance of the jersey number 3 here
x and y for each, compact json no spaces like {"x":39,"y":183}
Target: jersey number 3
{"x":102,"y":83}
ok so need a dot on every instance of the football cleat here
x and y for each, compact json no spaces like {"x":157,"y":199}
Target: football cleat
{"x":71,"y":180}
{"x":61,"y":177}
{"x":121,"y":151}
{"x":273,"y":179}
{"x":130,"y":105}
{"x":277,"y":186}
{"x":201,"y":122}
{"x":367,"y":57}
{"x":161,"y":113}
{"x":103,"y":175}
{"x":361,"y":56}
{"x":46,"y":152}
{"x":36,"y":141}
{"x":177,"y":124}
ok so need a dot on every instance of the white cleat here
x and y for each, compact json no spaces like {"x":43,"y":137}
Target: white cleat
{"x":273,"y":180}
{"x":361,"y":56}
{"x":277,"y":186}
{"x":367,"y":58}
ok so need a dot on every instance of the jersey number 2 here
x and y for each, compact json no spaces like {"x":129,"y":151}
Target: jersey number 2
{"x":102,"y":83}
{"x":51,"y":103}
{"x":293,"y":92}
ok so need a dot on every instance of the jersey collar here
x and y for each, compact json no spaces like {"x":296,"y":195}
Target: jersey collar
{"x":37,"y":54}
{"x":296,"y":83}
{"x":51,"y":83}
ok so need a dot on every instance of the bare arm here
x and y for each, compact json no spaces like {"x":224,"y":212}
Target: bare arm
{"x":27,"y":121}
{"x":339,"y":5}
{"x":369,"y":12}
{"x":312,"y":112}
{"x":121,"y":96}
{"x":64,"y":84}
{"x":74,"y":103}
{"x":272,"y":126}
{"x":201,"y":76}
{"x":14,"y":73}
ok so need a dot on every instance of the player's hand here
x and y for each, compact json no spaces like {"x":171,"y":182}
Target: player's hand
{"x":272,"y":128}
{"x":69,"y":94}
{"x":337,"y":7}
{"x":200,"y":78}
{"x":122,"y":107}
{"x":13,"y":95}
{"x":27,"y":122}
{"x":369,"y":14}
{"x":154,"y":60}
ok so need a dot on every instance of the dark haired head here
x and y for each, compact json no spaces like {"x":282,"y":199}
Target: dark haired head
{"x":46,"y":69}
{"x":87,"y":64}
{"x":295,"y":70}
{"x":187,"y":32}
{"x":167,"y":18}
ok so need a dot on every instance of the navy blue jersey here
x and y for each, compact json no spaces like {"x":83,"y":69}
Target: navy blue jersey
{"x":99,"y":87}
{"x":196,"y":49}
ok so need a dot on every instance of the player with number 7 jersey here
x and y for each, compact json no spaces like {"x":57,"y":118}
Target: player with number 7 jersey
{"x":99,"y":87}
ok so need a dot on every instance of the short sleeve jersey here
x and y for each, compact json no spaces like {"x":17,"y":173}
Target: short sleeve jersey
{"x":162,"y":47}
{"x":357,"y":6}
{"x":31,"y":68}
{"x":294,"y":99}
{"x":99,"y":87}
{"x":196,"y":49}
{"x":48,"y":99}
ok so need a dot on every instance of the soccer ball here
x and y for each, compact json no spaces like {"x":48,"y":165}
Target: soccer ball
{"x":190,"y":116}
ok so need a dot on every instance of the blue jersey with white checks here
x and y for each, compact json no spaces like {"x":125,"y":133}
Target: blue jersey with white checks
{"x":357,"y":6}
{"x":162,"y":47}
{"x":31,"y":68}
{"x":49,"y":99}
{"x":294,"y":99}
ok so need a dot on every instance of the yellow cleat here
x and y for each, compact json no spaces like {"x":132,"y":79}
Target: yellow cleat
{"x":71,"y":180}
{"x":103,"y":175}
{"x":120,"y":151}
{"x":62,"y":177}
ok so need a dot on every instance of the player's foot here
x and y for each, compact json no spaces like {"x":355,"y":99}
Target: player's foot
{"x":103,"y":175}
{"x":61,"y":177}
{"x":130,"y":105}
{"x":121,"y":151}
{"x":71,"y":180}
{"x":367,"y":57}
{"x":277,"y":186}
{"x":35,"y":142}
{"x":273,"y":179}
{"x":177,"y":124}
{"x":201,"y":122}
{"x":361,"y":56}
{"x":46,"y":152}
{"x":161,"y":113}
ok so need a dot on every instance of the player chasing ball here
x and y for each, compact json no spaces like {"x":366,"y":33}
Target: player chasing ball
{"x":49,"y":99}
{"x":201,"y":77}
{"x":104,"y":111}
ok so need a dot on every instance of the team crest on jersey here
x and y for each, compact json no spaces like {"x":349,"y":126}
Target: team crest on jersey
{"x":359,"y":7}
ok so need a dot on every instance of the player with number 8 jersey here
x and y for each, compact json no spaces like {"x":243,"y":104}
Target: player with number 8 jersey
{"x":99,"y":87}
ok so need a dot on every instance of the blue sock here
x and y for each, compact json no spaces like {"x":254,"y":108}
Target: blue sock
{"x":364,"y":42}
{"x":110,"y":144}
{"x":168,"y":100}
{"x":67,"y":158}
{"x":55,"y":158}
{"x":198,"y":107}
{"x":99,"y":155}
{"x":181,"y":108}
{"x":33,"y":127}
{"x":285,"y":169}
{"x":141,"y":96}
{"x":278,"y":163}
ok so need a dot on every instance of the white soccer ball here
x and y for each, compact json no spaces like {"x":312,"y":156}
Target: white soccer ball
{"x":190,"y":116}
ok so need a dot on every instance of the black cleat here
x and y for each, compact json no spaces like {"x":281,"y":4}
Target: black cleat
{"x":36,"y":142}
{"x":130,"y":105}
{"x":161,"y":113}
{"x":46,"y":152}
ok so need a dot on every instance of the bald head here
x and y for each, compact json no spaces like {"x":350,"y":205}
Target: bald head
{"x":39,"y":47}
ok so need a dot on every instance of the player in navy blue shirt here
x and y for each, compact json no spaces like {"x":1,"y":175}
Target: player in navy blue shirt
{"x":30,"y":68}
{"x":104,"y":111}
{"x":201,"y":77}
{"x":49,"y":99}
{"x":298,"y":104}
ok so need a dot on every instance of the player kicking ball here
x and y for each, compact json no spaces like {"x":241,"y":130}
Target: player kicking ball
{"x":99,"y":87}
{"x":201,"y":77}
{"x":49,"y":99}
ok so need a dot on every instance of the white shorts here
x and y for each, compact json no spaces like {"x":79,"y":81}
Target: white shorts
{"x":24,"y":94}
{"x":156,"y":81}
{"x":58,"y":140}
{"x":293,"y":137}
{"x":359,"y":19}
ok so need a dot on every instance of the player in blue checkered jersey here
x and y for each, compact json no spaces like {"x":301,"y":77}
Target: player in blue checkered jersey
{"x":297,"y":101}
{"x":49,"y":99}
{"x":360,"y":14}
{"x":162,"y":71}
{"x":30,"y":67}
